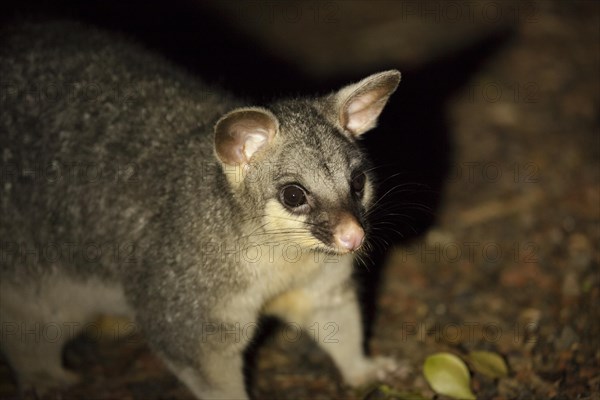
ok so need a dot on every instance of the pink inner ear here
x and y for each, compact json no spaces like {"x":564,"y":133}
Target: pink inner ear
{"x":362,"y":112}
{"x":356,"y":107}
{"x":254,"y":141}
{"x":240,"y":134}
{"x":248,"y":137}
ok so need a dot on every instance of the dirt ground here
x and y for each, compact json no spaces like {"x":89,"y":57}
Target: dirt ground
{"x":509,"y":260}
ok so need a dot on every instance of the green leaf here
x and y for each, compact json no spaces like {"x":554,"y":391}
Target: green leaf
{"x":488,"y":363}
{"x":448,"y":375}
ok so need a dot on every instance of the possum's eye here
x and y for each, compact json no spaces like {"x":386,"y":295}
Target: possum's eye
{"x":293,"y":196}
{"x":358,"y":182}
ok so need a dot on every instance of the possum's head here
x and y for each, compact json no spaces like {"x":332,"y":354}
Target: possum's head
{"x":297,"y":167}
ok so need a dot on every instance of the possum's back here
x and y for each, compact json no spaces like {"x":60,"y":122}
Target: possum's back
{"x":90,"y":130}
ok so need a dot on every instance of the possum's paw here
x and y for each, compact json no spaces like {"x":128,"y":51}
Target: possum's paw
{"x":372,"y":369}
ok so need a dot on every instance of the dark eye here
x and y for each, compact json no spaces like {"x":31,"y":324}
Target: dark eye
{"x":358,"y":182}
{"x":293,"y":196}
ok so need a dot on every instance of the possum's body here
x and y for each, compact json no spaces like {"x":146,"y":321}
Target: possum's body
{"x":129,"y":186}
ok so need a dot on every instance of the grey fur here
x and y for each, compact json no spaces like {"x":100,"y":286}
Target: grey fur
{"x":121,"y":161}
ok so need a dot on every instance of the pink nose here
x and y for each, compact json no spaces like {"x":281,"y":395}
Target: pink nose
{"x":348,"y":234}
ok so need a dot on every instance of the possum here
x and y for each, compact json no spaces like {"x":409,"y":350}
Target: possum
{"x":131,"y":187}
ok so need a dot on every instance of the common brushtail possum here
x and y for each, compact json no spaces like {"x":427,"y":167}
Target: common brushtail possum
{"x":131,"y":187}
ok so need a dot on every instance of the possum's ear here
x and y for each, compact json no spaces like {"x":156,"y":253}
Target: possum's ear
{"x":240,"y":134}
{"x":356,"y":107}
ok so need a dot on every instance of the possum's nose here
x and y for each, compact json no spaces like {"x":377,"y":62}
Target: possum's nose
{"x":348,"y":234}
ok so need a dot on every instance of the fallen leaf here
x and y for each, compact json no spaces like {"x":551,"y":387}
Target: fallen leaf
{"x":448,"y":375}
{"x":488,"y":363}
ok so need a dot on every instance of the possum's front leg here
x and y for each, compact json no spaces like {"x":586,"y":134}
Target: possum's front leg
{"x":218,"y":376}
{"x":218,"y":372}
{"x":342,"y":337}
{"x":204,"y":350}
{"x":330,"y":305}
